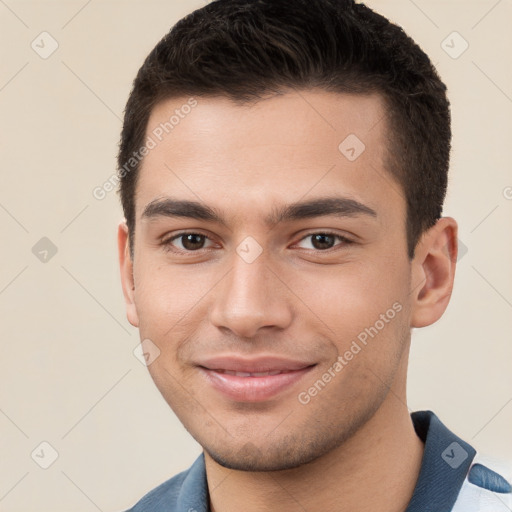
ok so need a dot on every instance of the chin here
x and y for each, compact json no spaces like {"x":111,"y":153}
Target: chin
{"x":288,"y":453}
{"x":292,"y":446}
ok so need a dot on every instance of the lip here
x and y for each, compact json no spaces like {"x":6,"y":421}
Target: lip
{"x":252,"y":380}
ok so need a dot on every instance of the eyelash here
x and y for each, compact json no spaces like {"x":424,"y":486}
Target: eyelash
{"x":168,"y":246}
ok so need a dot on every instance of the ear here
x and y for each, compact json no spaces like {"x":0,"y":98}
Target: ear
{"x":433,"y":272}
{"x":126,"y":267}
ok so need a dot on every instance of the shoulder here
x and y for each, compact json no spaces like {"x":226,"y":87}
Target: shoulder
{"x":186,"y":491}
{"x":162,"y":497}
{"x":487,"y":487}
{"x":454,"y":476}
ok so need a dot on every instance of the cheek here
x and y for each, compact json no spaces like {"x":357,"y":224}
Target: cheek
{"x":172,"y":305}
{"x":165,"y":298}
{"x":363,"y":311}
{"x":351,"y":296}
{"x":178,"y":389}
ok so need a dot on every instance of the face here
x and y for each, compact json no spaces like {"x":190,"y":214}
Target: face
{"x":270,"y":272}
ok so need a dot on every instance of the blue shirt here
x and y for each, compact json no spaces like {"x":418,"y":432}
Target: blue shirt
{"x":453,"y":478}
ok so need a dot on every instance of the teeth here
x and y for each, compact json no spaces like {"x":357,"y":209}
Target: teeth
{"x":247,"y":374}
{"x":263,"y":374}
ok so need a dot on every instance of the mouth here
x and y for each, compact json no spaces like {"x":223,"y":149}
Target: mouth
{"x":252,"y":374}
{"x":254,"y":380}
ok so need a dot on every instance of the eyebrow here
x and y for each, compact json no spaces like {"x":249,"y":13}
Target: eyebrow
{"x":319,"y":207}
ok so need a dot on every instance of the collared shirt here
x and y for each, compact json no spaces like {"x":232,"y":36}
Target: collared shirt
{"x":453,"y":478}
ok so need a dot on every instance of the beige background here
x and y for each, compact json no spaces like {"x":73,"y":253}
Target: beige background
{"x":68,"y":373}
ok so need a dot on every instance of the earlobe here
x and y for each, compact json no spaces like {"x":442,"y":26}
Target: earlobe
{"x":126,"y":268}
{"x":433,"y":272}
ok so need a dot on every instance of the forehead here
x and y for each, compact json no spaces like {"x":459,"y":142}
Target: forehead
{"x":269,"y":152}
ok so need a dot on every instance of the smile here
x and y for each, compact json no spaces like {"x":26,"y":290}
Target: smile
{"x":256,"y":380}
{"x":252,"y":374}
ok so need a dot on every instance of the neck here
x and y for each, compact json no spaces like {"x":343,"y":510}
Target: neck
{"x":376,"y":469}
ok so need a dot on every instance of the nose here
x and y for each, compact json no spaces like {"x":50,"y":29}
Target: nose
{"x":251,"y":297}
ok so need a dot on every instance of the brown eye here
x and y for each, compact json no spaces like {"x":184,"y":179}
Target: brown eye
{"x":186,"y":242}
{"x":325,"y":241}
{"x":322,"y":241}
{"x":192,"y":241}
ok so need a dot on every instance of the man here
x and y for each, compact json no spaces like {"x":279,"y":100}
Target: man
{"x":283,"y":168}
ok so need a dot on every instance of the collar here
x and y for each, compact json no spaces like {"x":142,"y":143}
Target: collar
{"x":444,"y":467}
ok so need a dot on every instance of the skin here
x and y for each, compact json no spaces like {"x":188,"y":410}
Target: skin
{"x":295,"y":299}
